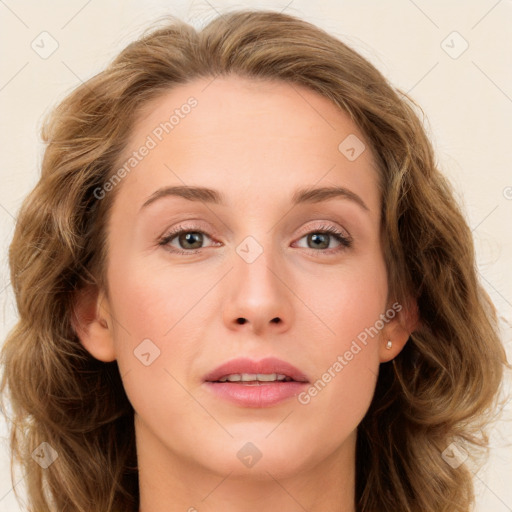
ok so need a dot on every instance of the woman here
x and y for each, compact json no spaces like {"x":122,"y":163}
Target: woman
{"x":322,"y":344}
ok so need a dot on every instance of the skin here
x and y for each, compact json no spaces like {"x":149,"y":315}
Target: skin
{"x":255,"y":142}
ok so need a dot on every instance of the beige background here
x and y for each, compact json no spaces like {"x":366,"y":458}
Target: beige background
{"x":466,"y":96}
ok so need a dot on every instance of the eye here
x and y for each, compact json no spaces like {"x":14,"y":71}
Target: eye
{"x":321,"y":238}
{"x":189,"y":240}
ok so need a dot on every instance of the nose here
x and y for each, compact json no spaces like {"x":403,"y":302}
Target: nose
{"x":258,"y":297}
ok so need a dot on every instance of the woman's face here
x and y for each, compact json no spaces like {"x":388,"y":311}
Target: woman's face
{"x":259,"y":251}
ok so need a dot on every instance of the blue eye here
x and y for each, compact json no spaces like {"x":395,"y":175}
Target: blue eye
{"x":321,"y":237}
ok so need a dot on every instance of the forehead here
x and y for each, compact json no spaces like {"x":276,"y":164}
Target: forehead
{"x":260,"y":106}
{"x":233,"y":133}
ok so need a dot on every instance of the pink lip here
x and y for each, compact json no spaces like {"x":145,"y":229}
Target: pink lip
{"x":263,"y":394}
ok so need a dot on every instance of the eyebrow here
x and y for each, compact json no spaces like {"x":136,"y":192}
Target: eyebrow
{"x":300,"y":196}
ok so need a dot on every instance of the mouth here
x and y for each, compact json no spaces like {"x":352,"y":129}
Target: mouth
{"x":247,"y":372}
{"x":255,"y":384}
{"x":252,"y":379}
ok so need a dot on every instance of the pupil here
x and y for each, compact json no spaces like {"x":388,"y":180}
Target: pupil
{"x":318,"y":236}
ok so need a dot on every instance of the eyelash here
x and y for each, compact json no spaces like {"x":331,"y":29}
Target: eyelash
{"x":346,"y":242}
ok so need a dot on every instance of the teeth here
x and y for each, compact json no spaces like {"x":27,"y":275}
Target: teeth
{"x":268,"y":377}
{"x":249,"y":377}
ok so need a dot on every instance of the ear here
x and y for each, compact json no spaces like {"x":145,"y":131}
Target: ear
{"x":398,"y":329}
{"x":91,"y":321}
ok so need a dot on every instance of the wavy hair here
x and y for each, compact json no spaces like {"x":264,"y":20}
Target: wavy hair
{"x":442,"y":388}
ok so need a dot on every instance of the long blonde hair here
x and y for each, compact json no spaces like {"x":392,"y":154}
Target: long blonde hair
{"x":441,"y":389}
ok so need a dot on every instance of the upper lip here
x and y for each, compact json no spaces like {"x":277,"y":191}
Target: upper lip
{"x":245,"y":365}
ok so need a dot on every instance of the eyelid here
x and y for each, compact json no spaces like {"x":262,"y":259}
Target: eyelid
{"x":188,"y":225}
{"x":325,"y":225}
{"x":194,"y":226}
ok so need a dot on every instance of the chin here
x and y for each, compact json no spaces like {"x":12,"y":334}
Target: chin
{"x":255,"y":454}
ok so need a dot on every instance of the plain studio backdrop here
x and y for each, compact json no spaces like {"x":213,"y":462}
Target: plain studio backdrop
{"x":454,"y":59}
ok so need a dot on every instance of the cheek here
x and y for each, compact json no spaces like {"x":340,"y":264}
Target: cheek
{"x":348,"y":301}
{"x":151,"y":301}
{"x":349,"y":306}
{"x":152,"y":340}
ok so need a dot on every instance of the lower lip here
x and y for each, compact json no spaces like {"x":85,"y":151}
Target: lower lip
{"x":256,"y":395}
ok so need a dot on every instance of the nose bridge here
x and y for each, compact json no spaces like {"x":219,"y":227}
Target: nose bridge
{"x":256,"y":266}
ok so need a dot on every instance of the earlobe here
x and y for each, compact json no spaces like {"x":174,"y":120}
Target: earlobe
{"x":396,"y":333}
{"x":91,"y":322}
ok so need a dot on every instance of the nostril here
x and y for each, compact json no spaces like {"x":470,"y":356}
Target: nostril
{"x":241,"y":320}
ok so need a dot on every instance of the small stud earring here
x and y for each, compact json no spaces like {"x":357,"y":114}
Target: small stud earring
{"x":389,"y":344}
